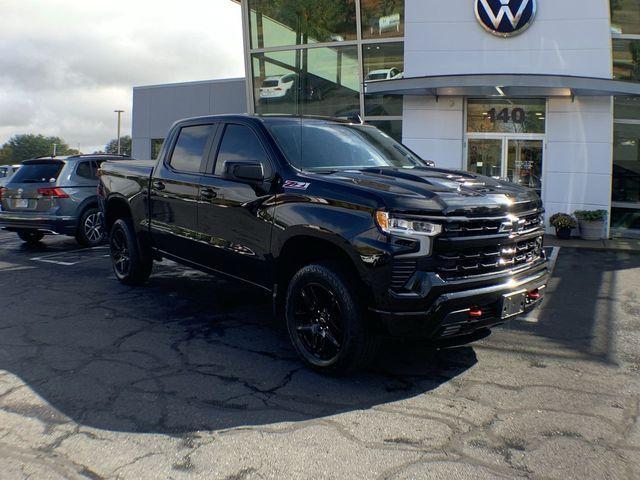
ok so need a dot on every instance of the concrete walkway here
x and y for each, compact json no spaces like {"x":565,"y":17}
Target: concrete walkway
{"x":615,"y":244}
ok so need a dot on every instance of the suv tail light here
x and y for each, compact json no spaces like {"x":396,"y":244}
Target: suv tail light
{"x":55,"y":192}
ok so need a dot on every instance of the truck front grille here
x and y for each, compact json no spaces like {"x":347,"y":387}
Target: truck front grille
{"x":484,"y":246}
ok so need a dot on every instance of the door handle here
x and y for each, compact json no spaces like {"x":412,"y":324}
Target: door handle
{"x":158,"y":185}
{"x":208,"y":193}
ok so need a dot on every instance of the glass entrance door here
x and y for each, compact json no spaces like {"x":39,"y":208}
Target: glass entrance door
{"x":516,"y":160}
{"x":524,"y":163}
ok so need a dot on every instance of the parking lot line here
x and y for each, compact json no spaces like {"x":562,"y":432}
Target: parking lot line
{"x":70,"y":258}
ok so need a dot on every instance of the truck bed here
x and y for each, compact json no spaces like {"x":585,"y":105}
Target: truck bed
{"x":129,"y":168}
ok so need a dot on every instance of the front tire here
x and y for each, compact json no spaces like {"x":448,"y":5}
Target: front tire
{"x":326,"y":321}
{"x":90,"y":228}
{"x":129,"y":265}
{"x":30,"y":238}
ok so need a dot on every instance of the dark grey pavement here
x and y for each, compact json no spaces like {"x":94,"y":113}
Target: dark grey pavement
{"x":191,"y":377}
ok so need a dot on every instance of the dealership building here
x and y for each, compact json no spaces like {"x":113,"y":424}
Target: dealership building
{"x":545,"y":93}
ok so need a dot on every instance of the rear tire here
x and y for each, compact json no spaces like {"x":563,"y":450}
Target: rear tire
{"x":326,"y":320}
{"x":90,"y":231}
{"x":129,"y":265}
{"x":31,"y":238}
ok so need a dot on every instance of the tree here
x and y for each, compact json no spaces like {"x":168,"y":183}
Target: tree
{"x":125,"y":146}
{"x":24,"y":147}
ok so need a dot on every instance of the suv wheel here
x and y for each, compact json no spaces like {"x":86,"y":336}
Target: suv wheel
{"x":129,"y":266}
{"x":30,"y":237}
{"x":325,"y":320}
{"x":90,"y":228}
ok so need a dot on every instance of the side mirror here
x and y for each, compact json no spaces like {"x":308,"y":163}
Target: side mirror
{"x":430,"y":163}
{"x":248,"y":172}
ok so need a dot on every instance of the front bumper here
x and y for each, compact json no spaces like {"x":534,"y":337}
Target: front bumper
{"x":48,"y":224}
{"x":447,"y":305}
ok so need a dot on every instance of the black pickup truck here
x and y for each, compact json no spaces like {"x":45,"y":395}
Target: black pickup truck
{"x":355,"y":237}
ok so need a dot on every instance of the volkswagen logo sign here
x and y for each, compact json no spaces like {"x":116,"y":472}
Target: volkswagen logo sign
{"x":505,"y":18}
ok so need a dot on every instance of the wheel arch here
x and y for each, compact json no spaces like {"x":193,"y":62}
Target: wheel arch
{"x":305,"y":246}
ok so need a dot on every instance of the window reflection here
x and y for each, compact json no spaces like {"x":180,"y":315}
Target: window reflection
{"x":626,"y":163}
{"x":625,"y":17}
{"x":626,"y":59}
{"x":383,"y":61}
{"x":275,"y":23}
{"x":382,"y":18}
{"x":316,"y":81}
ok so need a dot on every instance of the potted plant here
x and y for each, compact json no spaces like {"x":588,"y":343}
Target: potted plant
{"x":563,"y":224}
{"x":591,"y":223}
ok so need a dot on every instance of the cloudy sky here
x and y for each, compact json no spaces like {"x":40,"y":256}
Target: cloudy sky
{"x":65,"y":65}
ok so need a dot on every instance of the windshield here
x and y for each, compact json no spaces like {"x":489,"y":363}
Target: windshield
{"x":333,"y":146}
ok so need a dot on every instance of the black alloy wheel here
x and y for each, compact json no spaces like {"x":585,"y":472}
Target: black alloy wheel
{"x":326,"y":319}
{"x":318,"y":322}
{"x":120,"y":253}
{"x":131,"y":264}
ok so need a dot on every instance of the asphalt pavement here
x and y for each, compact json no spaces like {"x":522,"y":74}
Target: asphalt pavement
{"x":191,"y":376}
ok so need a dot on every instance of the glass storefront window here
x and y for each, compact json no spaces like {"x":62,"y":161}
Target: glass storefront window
{"x":625,"y":218}
{"x":315,"y":81}
{"x":382,"y":18}
{"x":625,"y":17}
{"x":627,"y":108}
{"x":393,"y":128}
{"x":626,"y":59}
{"x":485,"y":157}
{"x":506,"y":116}
{"x":626,"y":163}
{"x":156,"y":146}
{"x":277,"y":23}
{"x":383,"y":61}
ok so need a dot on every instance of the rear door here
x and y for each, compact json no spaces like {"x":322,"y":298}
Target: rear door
{"x":32,"y":189}
{"x":235,"y":218}
{"x":174,"y":190}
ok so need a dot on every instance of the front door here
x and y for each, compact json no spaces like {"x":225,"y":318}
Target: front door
{"x":516,"y":160}
{"x":235,"y":218}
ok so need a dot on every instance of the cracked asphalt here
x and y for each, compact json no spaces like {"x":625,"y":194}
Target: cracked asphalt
{"x":191,"y":377}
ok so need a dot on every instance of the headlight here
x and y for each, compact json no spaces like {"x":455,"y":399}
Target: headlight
{"x":394,"y":225}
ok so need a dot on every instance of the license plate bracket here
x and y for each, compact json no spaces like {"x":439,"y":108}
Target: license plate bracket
{"x":513,"y":304}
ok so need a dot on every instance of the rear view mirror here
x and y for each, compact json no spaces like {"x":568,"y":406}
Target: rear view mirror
{"x":249,"y":172}
{"x":430,"y":163}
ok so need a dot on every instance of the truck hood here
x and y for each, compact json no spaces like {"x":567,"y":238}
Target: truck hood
{"x":452,"y":192}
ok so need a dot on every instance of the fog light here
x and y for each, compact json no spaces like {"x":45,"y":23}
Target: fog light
{"x":475,"y":312}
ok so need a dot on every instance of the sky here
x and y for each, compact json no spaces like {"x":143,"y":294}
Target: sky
{"x":66,"y":65}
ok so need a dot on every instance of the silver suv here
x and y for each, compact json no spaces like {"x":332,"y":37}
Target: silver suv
{"x":55,"y":196}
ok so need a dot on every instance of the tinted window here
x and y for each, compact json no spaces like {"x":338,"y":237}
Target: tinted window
{"x":240,"y":144}
{"x":37,"y":172}
{"x":337,"y":147}
{"x":189,"y":150}
{"x":85,"y":170}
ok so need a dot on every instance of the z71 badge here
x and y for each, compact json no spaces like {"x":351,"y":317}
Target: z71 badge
{"x":296,"y":185}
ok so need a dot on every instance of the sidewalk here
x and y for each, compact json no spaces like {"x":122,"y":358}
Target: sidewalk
{"x":617,"y":244}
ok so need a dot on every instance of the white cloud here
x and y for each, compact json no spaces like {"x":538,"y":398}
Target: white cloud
{"x":65,"y":65}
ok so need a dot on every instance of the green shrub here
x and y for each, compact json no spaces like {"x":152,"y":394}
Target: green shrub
{"x":563,"y":220}
{"x":591,"y":215}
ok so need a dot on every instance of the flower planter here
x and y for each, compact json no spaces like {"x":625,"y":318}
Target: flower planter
{"x":563,"y":233}
{"x":593,"y":230}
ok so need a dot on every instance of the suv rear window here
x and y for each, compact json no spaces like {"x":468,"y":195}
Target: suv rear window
{"x":37,"y":172}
